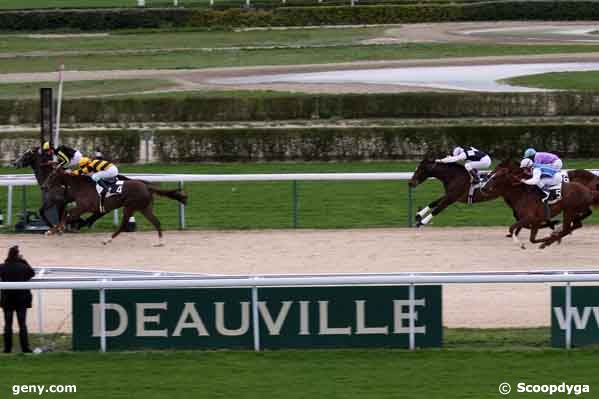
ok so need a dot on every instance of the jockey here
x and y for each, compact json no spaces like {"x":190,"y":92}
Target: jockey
{"x":475,"y":160}
{"x":543,"y":176}
{"x":68,"y":158}
{"x":98,"y":170}
{"x":544,"y":158}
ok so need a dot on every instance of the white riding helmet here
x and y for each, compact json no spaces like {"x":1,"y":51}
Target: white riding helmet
{"x":526,"y":163}
{"x":457,"y":151}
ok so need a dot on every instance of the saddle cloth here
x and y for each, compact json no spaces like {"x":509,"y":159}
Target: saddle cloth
{"x":555,"y":194}
{"x":115,"y":187}
{"x":555,"y":191}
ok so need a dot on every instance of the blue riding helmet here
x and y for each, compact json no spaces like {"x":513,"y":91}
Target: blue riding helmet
{"x":530,"y":152}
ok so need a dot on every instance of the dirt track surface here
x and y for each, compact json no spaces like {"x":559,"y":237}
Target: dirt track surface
{"x":327,"y":251}
{"x":514,"y":32}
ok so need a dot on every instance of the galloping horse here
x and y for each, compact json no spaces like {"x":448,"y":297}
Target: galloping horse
{"x":576,"y":202}
{"x":456,"y":181}
{"x":42,"y":166}
{"x":132,"y":195}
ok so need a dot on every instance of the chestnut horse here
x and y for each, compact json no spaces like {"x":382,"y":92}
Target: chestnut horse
{"x":525,"y":200}
{"x":134,"y":195}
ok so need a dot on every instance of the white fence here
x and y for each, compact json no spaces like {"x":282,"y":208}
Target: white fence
{"x":11,"y":181}
{"x":105,"y":282}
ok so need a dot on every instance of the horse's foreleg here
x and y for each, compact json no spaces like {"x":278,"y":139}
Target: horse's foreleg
{"x":441,"y":204}
{"x":422,"y":214}
{"x":42,"y":213}
{"x":514,"y":230}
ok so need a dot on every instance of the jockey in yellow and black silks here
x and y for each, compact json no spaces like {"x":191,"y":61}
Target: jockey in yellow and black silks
{"x":99,"y":170}
{"x":67,"y":157}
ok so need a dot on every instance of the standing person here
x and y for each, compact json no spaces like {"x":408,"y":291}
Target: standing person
{"x":15,"y":268}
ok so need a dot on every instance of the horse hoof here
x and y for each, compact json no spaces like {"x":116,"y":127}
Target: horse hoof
{"x":160,"y":244}
{"x":522,"y":246}
{"x":106,"y":242}
{"x":509,"y":235}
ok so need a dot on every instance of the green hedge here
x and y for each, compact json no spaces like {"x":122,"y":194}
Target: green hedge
{"x":131,"y":18}
{"x":320,"y":144}
{"x":120,"y":145}
{"x":369,"y":143}
{"x":348,"y":106}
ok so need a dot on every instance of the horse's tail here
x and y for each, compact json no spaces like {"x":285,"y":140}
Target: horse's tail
{"x":178,"y":195}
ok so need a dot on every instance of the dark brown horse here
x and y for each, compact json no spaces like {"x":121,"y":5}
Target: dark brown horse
{"x":135,"y":195}
{"x":456,"y":181}
{"x":525,"y":201}
{"x":42,"y":166}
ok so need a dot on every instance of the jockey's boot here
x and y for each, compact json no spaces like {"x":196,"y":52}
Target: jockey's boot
{"x":474,"y":176}
{"x":545,"y":201}
{"x":105,"y":188}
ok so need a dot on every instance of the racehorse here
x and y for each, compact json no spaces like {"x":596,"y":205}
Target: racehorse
{"x":456,"y":181}
{"x":132,"y":195}
{"x":576,"y":202}
{"x":42,"y":166}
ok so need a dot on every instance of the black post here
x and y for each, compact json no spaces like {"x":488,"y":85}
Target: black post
{"x":46,"y":115}
{"x":47,"y":134}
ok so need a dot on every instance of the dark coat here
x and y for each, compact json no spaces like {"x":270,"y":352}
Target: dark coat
{"x":18,"y":270}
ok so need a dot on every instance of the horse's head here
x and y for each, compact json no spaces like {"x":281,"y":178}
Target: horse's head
{"x":28,"y":158}
{"x":422,"y":172}
{"x":33,"y":157}
{"x":502,"y":177}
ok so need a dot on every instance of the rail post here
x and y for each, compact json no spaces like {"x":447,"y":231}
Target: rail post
{"x":255,"y":318}
{"x":181,"y":211}
{"x":115,"y":217}
{"x":568,"y":314}
{"x":103,"y":319}
{"x":40,"y":313}
{"x":295,"y":205}
{"x":412,"y":311}
{"x":9,"y":206}
{"x":24,"y":201}
{"x":410,"y":206}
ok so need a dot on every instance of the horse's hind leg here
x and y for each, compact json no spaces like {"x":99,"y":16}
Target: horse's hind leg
{"x":567,"y":227}
{"x":149,"y":214}
{"x":127,"y":213}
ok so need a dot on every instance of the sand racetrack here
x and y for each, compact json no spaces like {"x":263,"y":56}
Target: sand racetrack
{"x":325,"y":251}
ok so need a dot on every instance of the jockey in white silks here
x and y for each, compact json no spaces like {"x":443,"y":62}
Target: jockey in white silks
{"x":475,"y":160}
